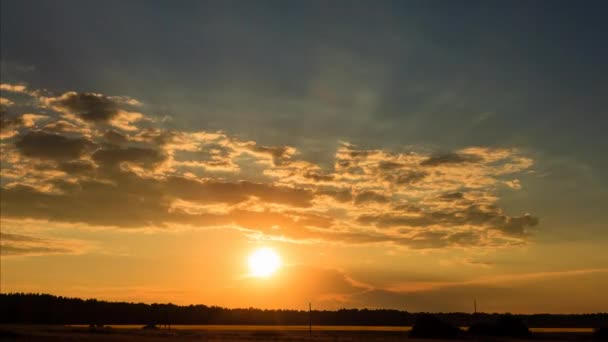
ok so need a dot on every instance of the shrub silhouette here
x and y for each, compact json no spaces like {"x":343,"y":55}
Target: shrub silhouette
{"x":512,"y":326}
{"x":150,"y":327}
{"x":506,"y":325}
{"x":8,"y":334}
{"x":484,"y":329}
{"x":99,"y":328}
{"x":429,"y":326}
{"x":601,"y":333}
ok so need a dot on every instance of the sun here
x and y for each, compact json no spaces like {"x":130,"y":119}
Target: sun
{"x":263,"y":262}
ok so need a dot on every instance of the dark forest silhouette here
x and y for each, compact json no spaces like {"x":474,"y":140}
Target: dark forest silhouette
{"x":48,"y":309}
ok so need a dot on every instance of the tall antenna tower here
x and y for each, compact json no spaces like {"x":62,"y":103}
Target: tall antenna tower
{"x":475,"y":306}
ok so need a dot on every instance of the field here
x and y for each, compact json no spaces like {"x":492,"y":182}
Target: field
{"x":245,"y":333}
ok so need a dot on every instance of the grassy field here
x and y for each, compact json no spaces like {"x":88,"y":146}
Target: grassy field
{"x":242,"y":333}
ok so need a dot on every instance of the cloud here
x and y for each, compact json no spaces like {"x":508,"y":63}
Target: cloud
{"x":38,"y":144}
{"x":13,"y":88}
{"x":370,"y":196}
{"x":6,"y":102}
{"x":10,"y":126}
{"x":91,"y":164}
{"x":96,"y":108}
{"x":25,"y":245}
{"x":450,"y":158}
{"x":88,"y":106}
{"x":113,"y":157}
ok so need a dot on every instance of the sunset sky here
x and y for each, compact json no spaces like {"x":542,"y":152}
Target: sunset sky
{"x":414,"y":155}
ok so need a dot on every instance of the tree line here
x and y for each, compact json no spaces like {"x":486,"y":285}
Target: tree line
{"x":31,"y":308}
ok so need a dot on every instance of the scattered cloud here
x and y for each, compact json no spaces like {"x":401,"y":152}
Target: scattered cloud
{"x":9,"y":127}
{"x":6,"y":102}
{"x":13,"y":88}
{"x":96,"y":108}
{"x":91,"y":160}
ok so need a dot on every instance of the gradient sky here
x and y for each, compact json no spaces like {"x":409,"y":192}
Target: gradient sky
{"x":411,"y":155}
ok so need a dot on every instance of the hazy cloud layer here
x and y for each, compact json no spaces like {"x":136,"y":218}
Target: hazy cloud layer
{"x":91,"y":158}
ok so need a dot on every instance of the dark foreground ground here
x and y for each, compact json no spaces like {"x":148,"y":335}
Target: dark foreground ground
{"x":67,"y":333}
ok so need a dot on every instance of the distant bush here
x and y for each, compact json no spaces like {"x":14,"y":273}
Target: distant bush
{"x":6,"y":334}
{"x":506,"y":325}
{"x":483,"y":329}
{"x":512,"y":326}
{"x":99,"y":328}
{"x":150,"y":327}
{"x":429,"y":326}
{"x":601,"y":333}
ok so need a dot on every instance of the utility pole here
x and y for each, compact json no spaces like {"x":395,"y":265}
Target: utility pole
{"x":309,"y":317}
{"x":475,"y":306}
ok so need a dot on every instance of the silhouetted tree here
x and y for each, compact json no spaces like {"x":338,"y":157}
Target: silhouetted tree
{"x":24,"y":308}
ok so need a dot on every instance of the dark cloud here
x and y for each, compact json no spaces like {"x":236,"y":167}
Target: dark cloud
{"x":408,"y":177}
{"x":452,"y":196}
{"x":62,"y":126}
{"x":10,"y":125}
{"x":112,"y":157}
{"x":370,"y":197}
{"x":116,"y":138}
{"x":157,"y":136}
{"x":340,"y":195}
{"x":406,"y":208}
{"x":215,"y":191}
{"x":38,"y":144}
{"x":390,"y":165}
{"x":474,"y":215}
{"x":132,"y":201}
{"x":516,"y":226}
{"x":393,"y":220}
{"x":88,"y":106}
{"x":278,"y":154}
{"x":7,"y":123}
{"x":77,"y":167}
{"x":467,"y":238}
{"x":94,"y":203}
{"x":318,"y":177}
{"x":450,"y":158}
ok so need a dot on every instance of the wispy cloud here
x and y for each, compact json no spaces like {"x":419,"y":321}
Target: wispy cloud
{"x":14,"y":245}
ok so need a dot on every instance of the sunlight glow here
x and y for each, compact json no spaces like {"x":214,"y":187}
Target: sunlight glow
{"x":263,"y":262}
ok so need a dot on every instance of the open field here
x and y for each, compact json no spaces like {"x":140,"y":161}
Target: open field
{"x":246,"y":333}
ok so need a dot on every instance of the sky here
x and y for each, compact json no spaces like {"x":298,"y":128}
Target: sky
{"x":411,"y":155}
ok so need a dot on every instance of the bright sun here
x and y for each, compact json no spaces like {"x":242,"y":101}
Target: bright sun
{"x":263,"y":262}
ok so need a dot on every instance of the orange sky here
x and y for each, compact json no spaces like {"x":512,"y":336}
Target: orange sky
{"x":120,"y":208}
{"x":408,"y":155}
